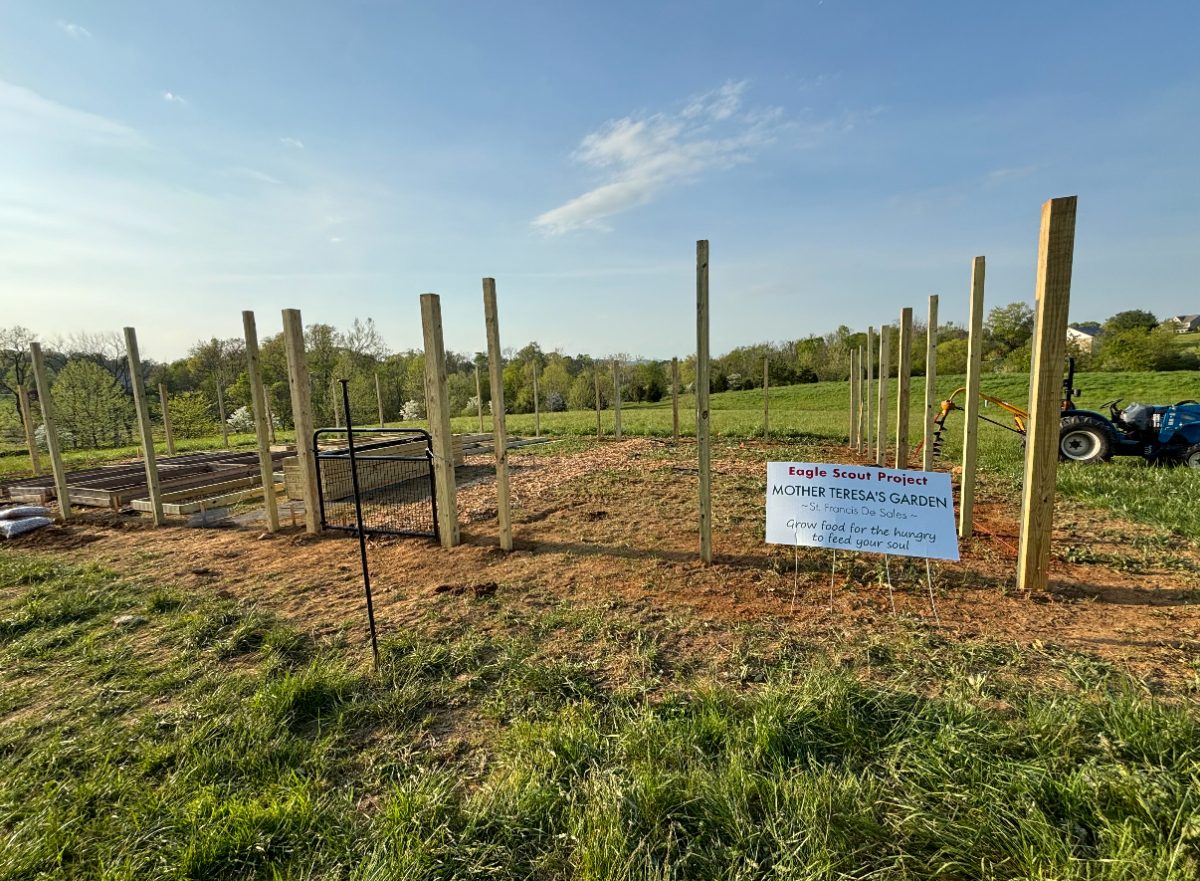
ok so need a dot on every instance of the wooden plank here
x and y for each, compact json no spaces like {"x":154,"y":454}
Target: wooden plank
{"x":537,"y":407}
{"x":596,"y":377}
{"x":437,"y":407}
{"x":931,"y":399}
{"x":869,"y":391}
{"x":50,"y":423}
{"x":881,"y":406}
{"x":35,"y":461}
{"x":852,"y":382}
{"x":766,"y":398}
{"x":302,"y":416}
{"x":262,"y":432}
{"x":703,"y":440}
{"x":966,"y":501}
{"x":221,"y":411}
{"x":862,"y":400}
{"x":166,"y":418}
{"x":144,"y":426}
{"x":616,"y":372}
{"x":478,"y":395}
{"x":491,"y":318}
{"x":379,"y":398}
{"x":675,"y":399}
{"x":903,"y":382}
{"x":1056,"y":246}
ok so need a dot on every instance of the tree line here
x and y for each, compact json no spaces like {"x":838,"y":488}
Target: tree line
{"x":91,"y":383}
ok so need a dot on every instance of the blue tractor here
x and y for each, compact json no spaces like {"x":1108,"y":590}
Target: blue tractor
{"x":1161,"y":434}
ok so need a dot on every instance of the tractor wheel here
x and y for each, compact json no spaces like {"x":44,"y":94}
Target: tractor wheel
{"x":1084,"y":439}
{"x":1191,"y":456}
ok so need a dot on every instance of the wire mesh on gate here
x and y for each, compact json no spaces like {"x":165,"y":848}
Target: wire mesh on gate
{"x":395,"y":480}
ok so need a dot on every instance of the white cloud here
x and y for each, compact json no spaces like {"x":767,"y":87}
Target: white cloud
{"x":641,"y":156}
{"x":292,"y":142}
{"x":255,"y":174}
{"x":173,"y":98}
{"x":335,"y":240}
{"x":25,"y":111}
{"x":73,"y":30}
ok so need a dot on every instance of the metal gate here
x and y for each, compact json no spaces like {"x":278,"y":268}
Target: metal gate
{"x":392,"y":474}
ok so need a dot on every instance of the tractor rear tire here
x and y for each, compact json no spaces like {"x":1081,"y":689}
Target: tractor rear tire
{"x":1084,"y":439}
{"x":1191,"y":456}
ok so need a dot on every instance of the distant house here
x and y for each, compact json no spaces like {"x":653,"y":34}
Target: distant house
{"x":1083,"y":340}
{"x":1184,"y":323}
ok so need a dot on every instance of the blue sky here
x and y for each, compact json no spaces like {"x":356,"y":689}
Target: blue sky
{"x":166,"y":165}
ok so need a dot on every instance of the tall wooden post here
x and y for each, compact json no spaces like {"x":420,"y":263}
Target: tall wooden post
{"x":766,"y":398}
{"x":479,"y":397}
{"x":496,"y":380}
{"x":221,"y":412}
{"x":270,"y":419}
{"x":966,"y":501}
{"x":903,"y":382}
{"x":1056,"y":245}
{"x":50,"y":424}
{"x":860,"y":381}
{"x":164,"y":402}
{"x":30,"y":434}
{"x":870,"y":391}
{"x":262,"y":431}
{"x":853,"y":377}
{"x":616,"y":370}
{"x":702,"y":413}
{"x":302,"y":416}
{"x":675,"y":399}
{"x":437,"y":403}
{"x":537,"y":406}
{"x":336,"y":400}
{"x":596,"y":377}
{"x":931,"y":400}
{"x":379,"y":398}
{"x":881,"y":407}
{"x":144,"y":425}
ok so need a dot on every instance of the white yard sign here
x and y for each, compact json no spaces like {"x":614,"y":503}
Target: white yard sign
{"x":861,"y":508}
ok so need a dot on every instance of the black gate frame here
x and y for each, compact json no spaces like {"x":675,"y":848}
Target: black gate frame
{"x":353,"y":453}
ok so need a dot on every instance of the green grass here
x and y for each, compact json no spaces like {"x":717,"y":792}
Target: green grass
{"x":213,"y":742}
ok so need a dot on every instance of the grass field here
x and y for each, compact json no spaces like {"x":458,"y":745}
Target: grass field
{"x":211,"y":741}
{"x":1166,"y":498}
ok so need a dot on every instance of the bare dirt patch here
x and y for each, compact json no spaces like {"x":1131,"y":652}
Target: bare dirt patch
{"x":617,"y":522}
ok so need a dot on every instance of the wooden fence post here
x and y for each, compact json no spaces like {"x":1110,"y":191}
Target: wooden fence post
{"x":870,"y":389}
{"x":702,"y":413}
{"x":164,"y":402}
{"x":496,"y":379}
{"x":437,"y":403}
{"x":50,"y":424}
{"x":537,"y":406}
{"x":766,"y":398}
{"x":302,"y":416}
{"x":881,"y":406}
{"x":596,"y":377}
{"x":336,"y":400}
{"x":262,"y":432}
{"x":861,"y":397}
{"x":966,"y":497}
{"x":221,"y":412}
{"x":479,"y":397}
{"x":144,"y":425}
{"x":850,"y":437}
{"x":931,"y":400}
{"x":30,"y":434}
{"x":675,"y":399}
{"x":903,"y":384}
{"x":1056,"y":245}
{"x":616,"y":369}
{"x":379,"y":398}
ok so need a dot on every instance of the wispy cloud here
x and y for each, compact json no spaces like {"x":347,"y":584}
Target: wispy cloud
{"x":640,"y":156}
{"x":23,"y":110}
{"x":73,"y":30}
{"x":173,"y":98}
{"x":292,"y":142}
{"x":255,"y":174}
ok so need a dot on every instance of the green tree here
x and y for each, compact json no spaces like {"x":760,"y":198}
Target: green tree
{"x":1131,"y":319}
{"x":92,"y":406}
{"x":1010,"y":326}
{"x":193,"y":414}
